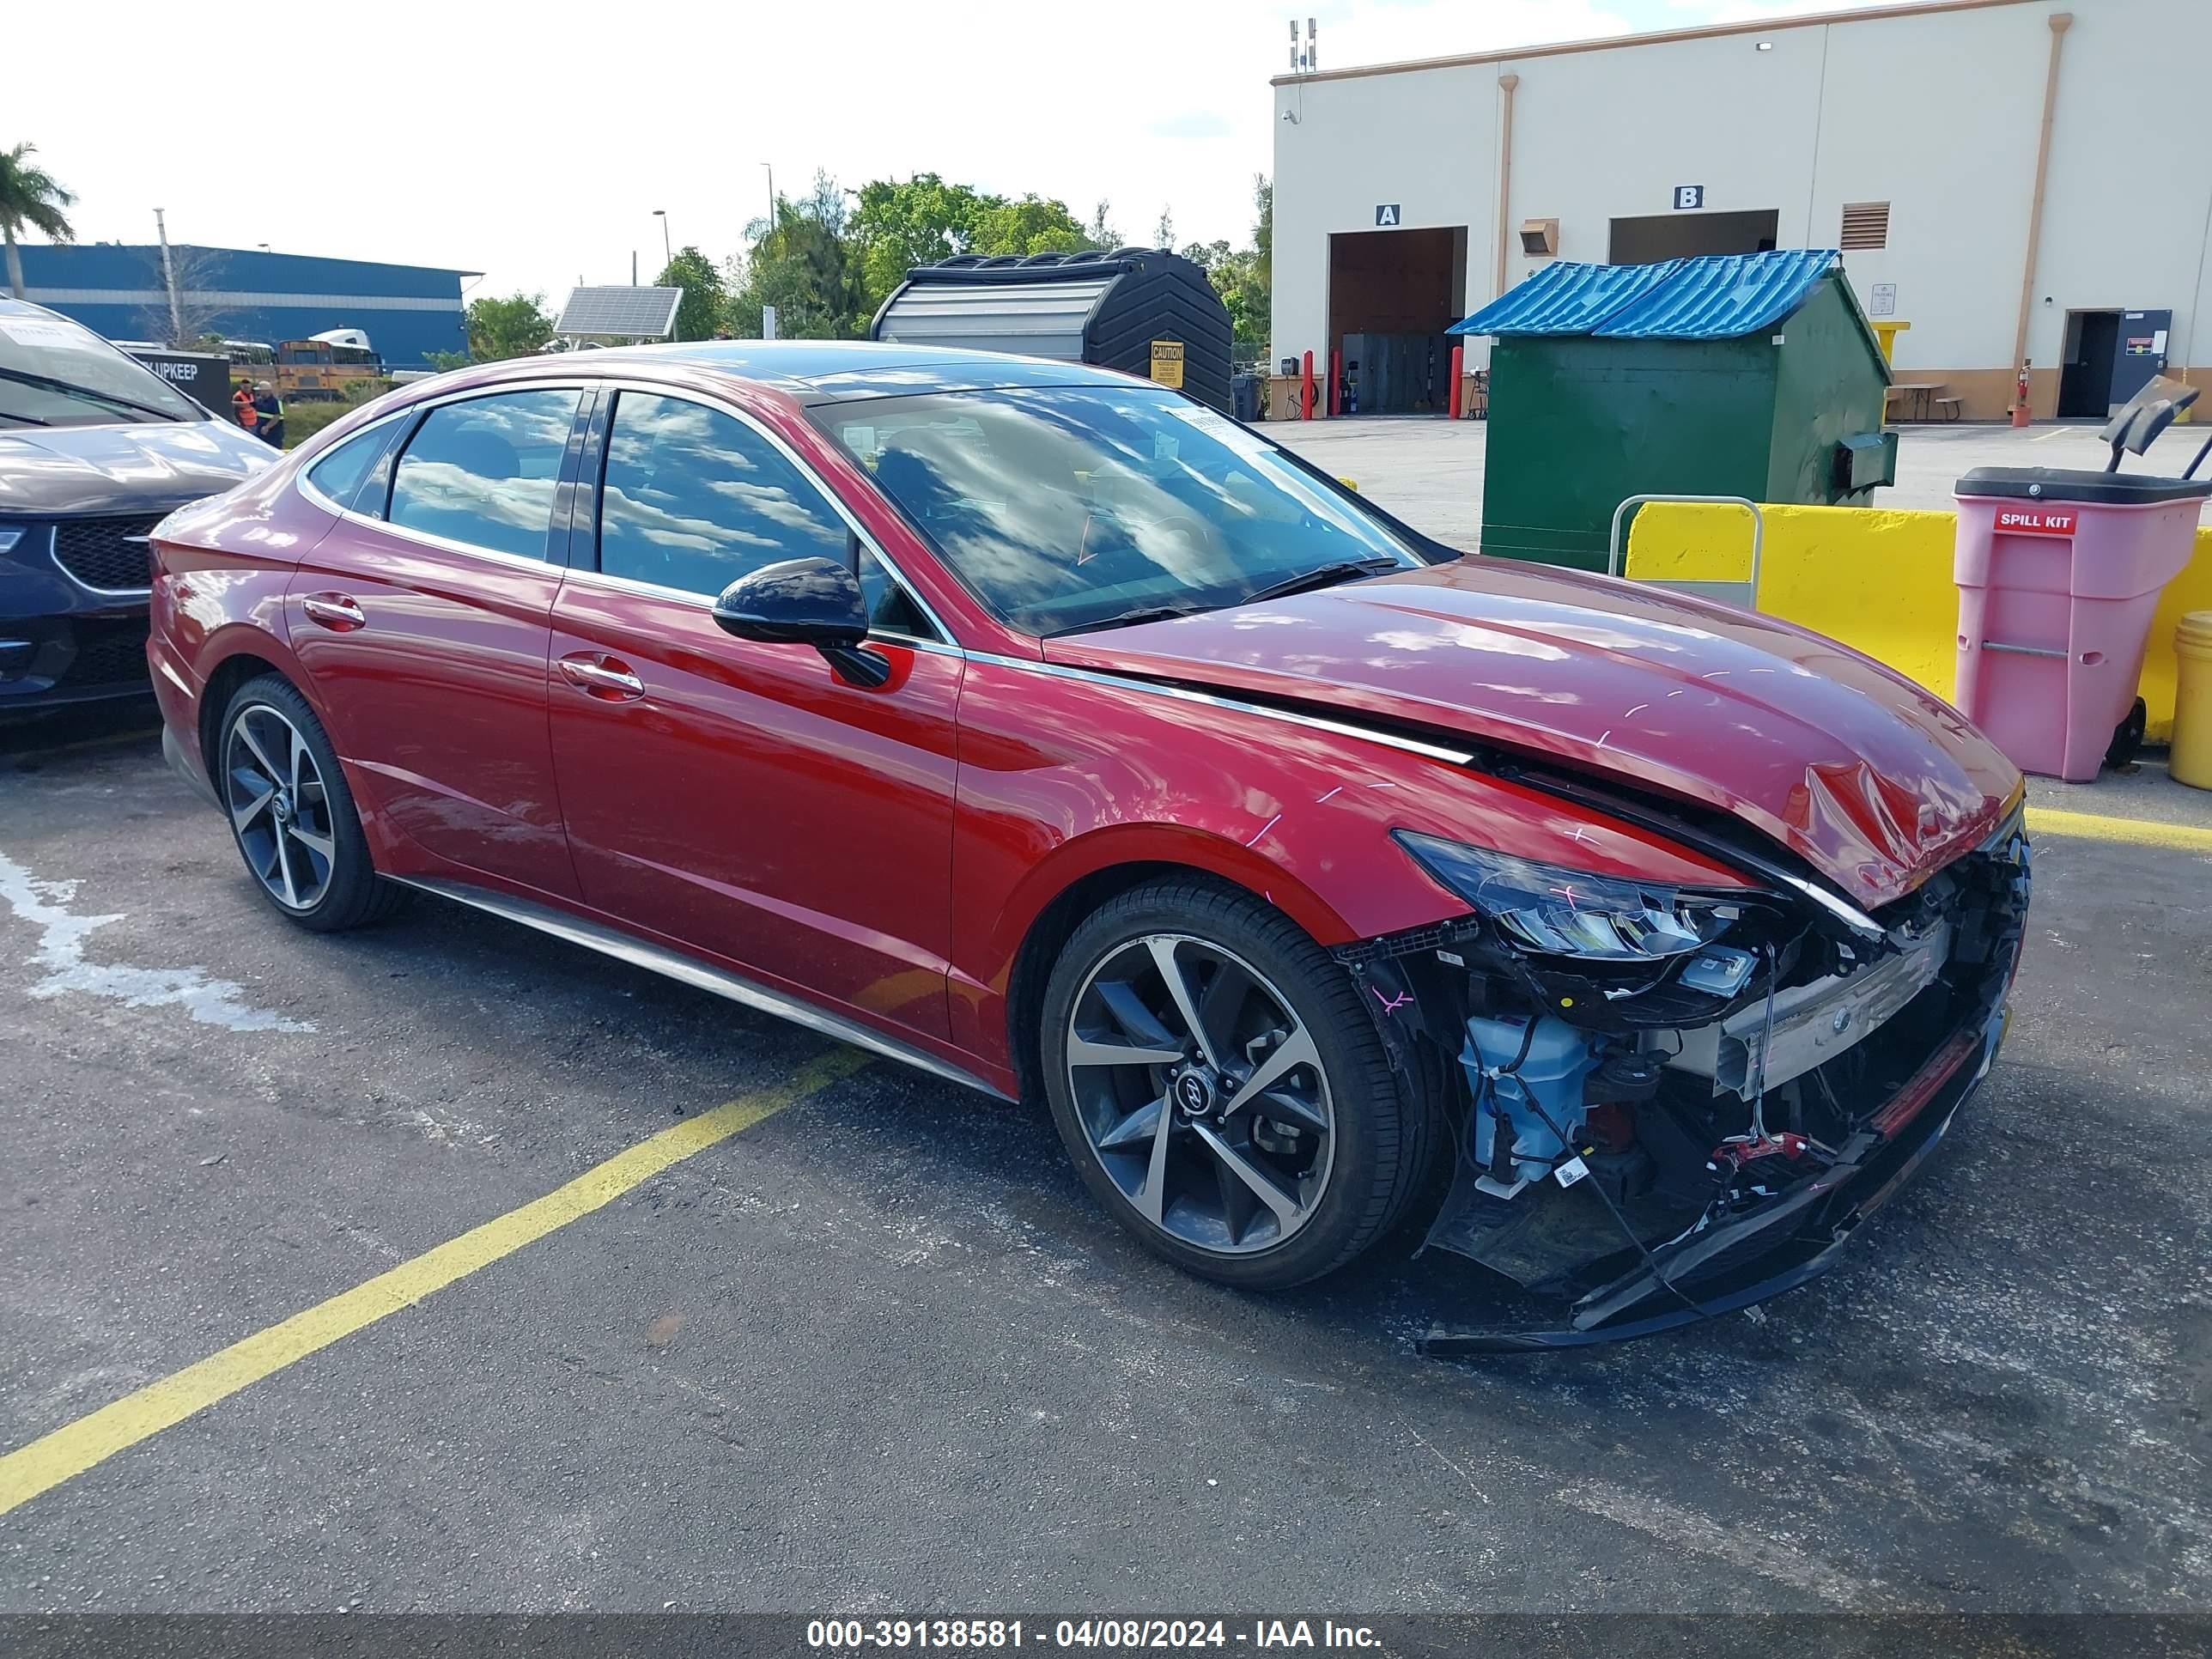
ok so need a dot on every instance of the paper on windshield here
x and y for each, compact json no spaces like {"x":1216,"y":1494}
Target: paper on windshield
{"x":38,"y":331}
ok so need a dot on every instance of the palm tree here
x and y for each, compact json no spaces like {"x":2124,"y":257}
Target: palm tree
{"x":29,"y":196}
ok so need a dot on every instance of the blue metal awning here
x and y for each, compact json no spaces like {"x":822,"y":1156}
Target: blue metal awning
{"x":1719,"y":296}
{"x":1565,"y":298}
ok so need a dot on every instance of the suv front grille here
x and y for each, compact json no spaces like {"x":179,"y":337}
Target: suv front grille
{"x":100,"y":553}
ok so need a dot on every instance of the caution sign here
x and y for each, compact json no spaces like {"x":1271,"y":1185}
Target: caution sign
{"x":1167,"y":362}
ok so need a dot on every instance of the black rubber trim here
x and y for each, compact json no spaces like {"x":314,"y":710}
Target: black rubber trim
{"x":2051,"y":484}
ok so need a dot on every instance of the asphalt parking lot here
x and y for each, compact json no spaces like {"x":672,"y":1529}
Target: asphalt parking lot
{"x":877,"y":1352}
{"x":1429,"y":472}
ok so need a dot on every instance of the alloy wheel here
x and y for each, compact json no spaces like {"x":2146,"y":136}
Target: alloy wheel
{"x":1201,"y":1093}
{"x":279,"y":806}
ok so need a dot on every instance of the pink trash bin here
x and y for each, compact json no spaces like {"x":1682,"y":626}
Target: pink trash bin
{"x":2059,"y":573}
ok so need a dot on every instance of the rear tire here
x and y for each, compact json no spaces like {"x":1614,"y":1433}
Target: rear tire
{"x":1258,"y":1187}
{"x":291,"y":814}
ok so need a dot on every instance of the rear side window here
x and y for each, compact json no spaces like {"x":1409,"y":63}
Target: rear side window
{"x":483,"y":472}
{"x":339,"y":474}
{"x":693,"y":498}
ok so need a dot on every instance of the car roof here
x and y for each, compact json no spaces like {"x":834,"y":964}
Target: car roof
{"x":818,"y":371}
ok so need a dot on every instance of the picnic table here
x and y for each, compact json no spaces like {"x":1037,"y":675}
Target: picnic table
{"x":1917,"y":393}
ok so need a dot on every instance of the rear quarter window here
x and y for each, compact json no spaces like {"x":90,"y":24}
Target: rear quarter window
{"x":338,"y":476}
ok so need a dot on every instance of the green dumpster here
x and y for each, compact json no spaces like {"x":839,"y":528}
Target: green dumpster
{"x":1750,"y":374}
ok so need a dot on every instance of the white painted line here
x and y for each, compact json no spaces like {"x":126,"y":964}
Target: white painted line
{"x":2055,"y":432}
{"x":62,"y":935}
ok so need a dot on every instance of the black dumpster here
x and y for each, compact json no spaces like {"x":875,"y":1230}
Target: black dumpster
{"x":1142,"y":310}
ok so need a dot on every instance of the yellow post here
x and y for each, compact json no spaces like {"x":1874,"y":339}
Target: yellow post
{"x":2190,"y":761}
{"x":1887,"y":333}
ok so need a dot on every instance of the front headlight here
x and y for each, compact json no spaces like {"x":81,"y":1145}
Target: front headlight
{"x":1549,"y":908}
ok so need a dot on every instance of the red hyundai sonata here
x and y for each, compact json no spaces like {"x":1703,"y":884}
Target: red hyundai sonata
{"x":1044,"y":729}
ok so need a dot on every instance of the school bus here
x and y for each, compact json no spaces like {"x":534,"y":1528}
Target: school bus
{"x":312,"y":370}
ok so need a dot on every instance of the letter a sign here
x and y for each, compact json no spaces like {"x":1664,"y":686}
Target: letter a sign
{"x":1386,"y":215}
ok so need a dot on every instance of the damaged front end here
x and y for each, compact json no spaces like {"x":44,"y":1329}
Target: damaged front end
{"x":1666,"y":1104}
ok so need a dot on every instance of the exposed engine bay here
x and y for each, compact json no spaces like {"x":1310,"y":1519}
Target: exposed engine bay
{"x":1662,"y":1105}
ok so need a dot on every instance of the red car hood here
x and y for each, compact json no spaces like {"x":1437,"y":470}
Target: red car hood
{"x":1870,"y":778}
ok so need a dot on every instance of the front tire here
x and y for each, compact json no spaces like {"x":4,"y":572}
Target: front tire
{"x":1222,"y":1091}
{"x":291,"y":815}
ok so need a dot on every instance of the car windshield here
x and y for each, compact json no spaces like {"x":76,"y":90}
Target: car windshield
{"x":53,"y":373}
{"x":1069,"y":507}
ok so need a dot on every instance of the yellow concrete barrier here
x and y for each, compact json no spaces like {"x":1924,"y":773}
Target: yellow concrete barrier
{"x":1879,"y":582}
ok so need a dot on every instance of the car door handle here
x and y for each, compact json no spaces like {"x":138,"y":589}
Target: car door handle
{"x":607,"y":678}
{"x":335,"y":611}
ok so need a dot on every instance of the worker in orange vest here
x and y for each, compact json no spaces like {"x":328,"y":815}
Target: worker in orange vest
{"x":241,"y":405}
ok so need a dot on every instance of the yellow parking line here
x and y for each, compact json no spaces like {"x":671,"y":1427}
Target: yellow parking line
{"x":2140,"y":832}
{"x":70,"y":1450}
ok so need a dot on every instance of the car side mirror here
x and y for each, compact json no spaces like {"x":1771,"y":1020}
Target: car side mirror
{"x":815,"y":602}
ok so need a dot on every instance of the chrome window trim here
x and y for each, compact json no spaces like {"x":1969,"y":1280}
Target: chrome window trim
{"x":1212,"y":700}
{"x":800,"y":464}
{"x":702,"y":602}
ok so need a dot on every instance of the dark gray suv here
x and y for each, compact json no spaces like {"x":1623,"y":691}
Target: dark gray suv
{"x":95,"y":451}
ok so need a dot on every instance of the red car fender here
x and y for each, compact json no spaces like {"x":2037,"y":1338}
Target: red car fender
{"x":1063,"y":776}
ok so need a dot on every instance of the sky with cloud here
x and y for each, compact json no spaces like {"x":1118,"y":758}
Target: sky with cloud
{"x":533,"y":143}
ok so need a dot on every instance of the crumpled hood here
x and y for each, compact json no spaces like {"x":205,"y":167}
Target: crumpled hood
{"x":1869,"y":778}
{"x":144,"y":466}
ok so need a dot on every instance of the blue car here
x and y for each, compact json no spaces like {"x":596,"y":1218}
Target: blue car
{"x":95,"y":451}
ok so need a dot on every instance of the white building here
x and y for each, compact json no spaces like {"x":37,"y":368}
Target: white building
{"x":2012,"y":178}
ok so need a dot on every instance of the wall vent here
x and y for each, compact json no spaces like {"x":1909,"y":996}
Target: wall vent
{"x":1866,"y":224}
{"x":1539,"y":238}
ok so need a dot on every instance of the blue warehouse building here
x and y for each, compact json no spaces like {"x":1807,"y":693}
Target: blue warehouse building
{"x":117,"y":290}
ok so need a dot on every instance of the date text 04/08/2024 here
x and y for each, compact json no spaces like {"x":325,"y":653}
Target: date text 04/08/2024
{"x":1086,"y":1634}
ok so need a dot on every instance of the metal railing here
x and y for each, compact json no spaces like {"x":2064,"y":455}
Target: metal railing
{"x":1743,"y":594}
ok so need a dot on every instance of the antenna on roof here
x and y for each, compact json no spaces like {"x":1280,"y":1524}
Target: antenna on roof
{"x":1302,"y":61}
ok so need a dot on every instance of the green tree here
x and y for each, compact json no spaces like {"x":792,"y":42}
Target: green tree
{"x":1100,"y":231}
{"x":1025,"y":225}
{"x":898,"y":226}
{"x":513,"y":327}
{"x":805,"y":264}
{"x":699,"y":313}
{"x":1263,"y":231}
{"x":30,"y":199}
{"x":1243,"y":277}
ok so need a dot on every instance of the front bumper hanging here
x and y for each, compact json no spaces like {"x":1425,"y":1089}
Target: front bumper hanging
{"x":1759,"y":1254}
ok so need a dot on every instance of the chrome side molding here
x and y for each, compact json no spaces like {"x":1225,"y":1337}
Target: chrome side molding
{"x":608,"y":942}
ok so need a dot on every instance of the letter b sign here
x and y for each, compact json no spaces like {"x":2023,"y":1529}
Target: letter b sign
{"x":1689,"y":196}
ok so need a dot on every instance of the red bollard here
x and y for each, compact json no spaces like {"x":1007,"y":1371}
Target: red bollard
{"x":1336,"y":384}
{"x":1459,"y":358}
{"x":1306,"y":391}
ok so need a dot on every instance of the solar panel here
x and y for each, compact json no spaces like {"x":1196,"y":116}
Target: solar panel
{"x":633,"y":314}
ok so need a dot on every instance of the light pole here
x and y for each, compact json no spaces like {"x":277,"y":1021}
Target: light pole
{"x":771,"y":166}
{"x":667,"y":257}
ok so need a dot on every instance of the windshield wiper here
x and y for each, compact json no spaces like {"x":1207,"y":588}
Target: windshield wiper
{"x":69,"y":388}
{"x":1325,"y":576}
{"x":1128,"y":618}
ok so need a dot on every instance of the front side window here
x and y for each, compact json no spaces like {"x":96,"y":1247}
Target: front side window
{"x":1067,"y":507}
{"x":693,"y":498}
{"x":483,"y":472}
